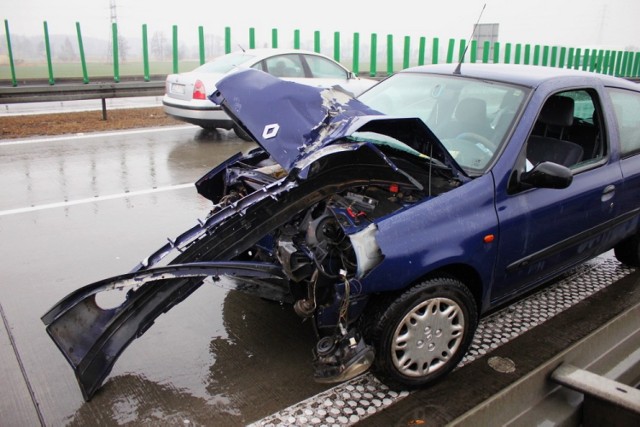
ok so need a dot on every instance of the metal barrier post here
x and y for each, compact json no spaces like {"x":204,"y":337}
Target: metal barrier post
{"x":407,"y":52}
{"x":336,"y":46}
{"x":203,"y":58}
{"x":14,"y":81}
{"x":48,"y":50}
{"x":389,"y":54}
{"x":174,"y":42}
{"x":85,"y":76}
{"x":545,"y":56}
{"x":316,"y":41}
{"x":274,"y":38}
{"x":473,"y":55}
{"x":227,"y":40}
{"x":463,"y":45}
{"x":296,"y":39}
{"x":356,"y":54}
{"x":145,"y":53}
{"x":496,"y":52}
{"x":452,"y":43}
{"x":486,"y":48}
{"x":423,"y":42}
{"x":373,"y":66}
{"x":518,"y":53}
{"x":114,"y":44}
{"x":507,"y":53}
{"x":434,"y":50}
{"x":252,"y":38}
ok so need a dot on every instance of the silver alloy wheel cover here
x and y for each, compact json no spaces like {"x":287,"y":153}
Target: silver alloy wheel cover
{"x":427,"y":337}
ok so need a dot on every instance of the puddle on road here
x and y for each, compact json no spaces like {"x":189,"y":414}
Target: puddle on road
{"x":219,"y":358}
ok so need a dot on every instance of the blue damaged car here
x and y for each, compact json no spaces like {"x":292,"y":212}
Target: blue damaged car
{"x":395,"y":220}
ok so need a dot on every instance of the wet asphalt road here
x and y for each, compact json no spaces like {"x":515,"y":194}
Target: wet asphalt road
{"x":76,"y":210}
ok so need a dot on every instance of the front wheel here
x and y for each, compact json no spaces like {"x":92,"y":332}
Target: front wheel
{"x":423,"y":334}
{"x":628,"y":251}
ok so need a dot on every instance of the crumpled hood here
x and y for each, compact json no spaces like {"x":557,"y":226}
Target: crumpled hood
{"x":291,"y":120}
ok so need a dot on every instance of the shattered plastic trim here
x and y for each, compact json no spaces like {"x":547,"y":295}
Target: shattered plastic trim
{"x":351,"y":402}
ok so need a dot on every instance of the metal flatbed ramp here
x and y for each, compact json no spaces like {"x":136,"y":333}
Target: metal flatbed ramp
{"x":474,"y":395}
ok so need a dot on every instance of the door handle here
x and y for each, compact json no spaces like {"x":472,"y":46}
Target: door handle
{"x":608,"y":193}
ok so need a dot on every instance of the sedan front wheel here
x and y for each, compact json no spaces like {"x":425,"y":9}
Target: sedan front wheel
{"x":424,"y":333}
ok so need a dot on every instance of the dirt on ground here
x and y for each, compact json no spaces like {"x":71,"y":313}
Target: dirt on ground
{"x":25,"y":126}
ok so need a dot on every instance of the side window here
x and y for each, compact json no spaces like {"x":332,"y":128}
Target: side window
{"x":568,"y":131}
{"x":626,"y":105}
{"x":284,"y":66}
{"x":323,"y":68}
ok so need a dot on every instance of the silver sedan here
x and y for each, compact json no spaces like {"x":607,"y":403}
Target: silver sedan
{"x":187,"y":94}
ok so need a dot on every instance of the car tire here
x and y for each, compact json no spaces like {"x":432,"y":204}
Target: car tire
{"x":241,"y":134}
{"x":628,"y":251}
{"x":442,"y":311}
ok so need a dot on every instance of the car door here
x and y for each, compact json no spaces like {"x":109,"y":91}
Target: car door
{"x":543,"y":230}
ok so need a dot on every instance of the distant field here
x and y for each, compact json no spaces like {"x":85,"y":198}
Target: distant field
{"x":94,"y":69}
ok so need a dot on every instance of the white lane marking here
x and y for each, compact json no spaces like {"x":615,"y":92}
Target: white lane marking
{"x":93,"y":199}
{"x":92,"y":135}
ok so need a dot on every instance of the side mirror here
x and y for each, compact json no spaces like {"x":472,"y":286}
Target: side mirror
{"x":350,"y":75}
{"x":547,"y":175}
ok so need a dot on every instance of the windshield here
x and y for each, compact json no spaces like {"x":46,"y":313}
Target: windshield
{"x":225,"y":63}
{"x":470,"y":117}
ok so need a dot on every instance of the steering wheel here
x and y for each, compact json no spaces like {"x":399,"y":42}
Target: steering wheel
{"x":475,"y":137}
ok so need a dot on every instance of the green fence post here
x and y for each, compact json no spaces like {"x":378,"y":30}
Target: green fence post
{"x":421,"y":49}
{"x":605,"y":62}
{"x":618,"y":70}
{"x":545,"y":56}
{"x":577,"y":59}
{"x":296,"y":39}
{"x":316,"y":41}
{"x":518,"y":53}
{"x":507,"y":53}
{"x":554,"y":56}
{"x":486,"y":49}
{"x":586,"y":59}
{"x":48,"y":52}
{"x":145,"y":53}
{"x":373,"y":66}
{"x":461,"y":48}
{"x":227,"y":40}
{"x":389,"y":54}
{"x":434,"y":50}
{"x":570,"y":57}
{"x":14,"y":81}
{"x":407,"y":52}
{"x":592,"y":61}
{"x":598,"y":67}
{"x":274,"y":38}
{"x":536,"y":55}
{"x":356,"y":54}
{"x":629,"y":67}
{"x":174,"y":42}
{"x":527,"y":53}
{"x":452,"y":44}
{"x":252,"y":38}
{"x":473,"y":55}
{"x":496,"y":53}
{"x":563,"y":57}
{"x":116,"y":56}
{"x":85,"y":75}
{"x":201,"y":47}
{"x":636,"y":66}
{"x":336,"y":46}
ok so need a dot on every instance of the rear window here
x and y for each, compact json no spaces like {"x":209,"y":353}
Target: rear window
{"x":225,"y":63}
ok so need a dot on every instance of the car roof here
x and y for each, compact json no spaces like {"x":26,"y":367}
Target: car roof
{"x":266,"y":52}
{"x":523,"y":75}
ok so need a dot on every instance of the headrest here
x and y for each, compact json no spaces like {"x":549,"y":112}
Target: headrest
{"x":557,"y":111}
{"x":471,"y":110}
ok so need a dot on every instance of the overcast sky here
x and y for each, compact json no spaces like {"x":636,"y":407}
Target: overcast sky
{"x":589,"y":23}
